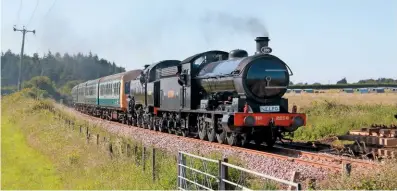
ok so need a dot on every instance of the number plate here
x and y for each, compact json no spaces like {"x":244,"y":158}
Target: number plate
{"x":270,"y":108}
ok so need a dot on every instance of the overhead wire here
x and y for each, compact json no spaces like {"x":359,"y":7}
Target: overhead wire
{"x":34,"y":11}
{"x":39,"y":25}
{"x":19,"y":13}
{"x":49,"y":10}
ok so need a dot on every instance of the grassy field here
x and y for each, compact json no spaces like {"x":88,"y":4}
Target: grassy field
{"x":305,"y":100}
{"x":39,"y":153}
{"x":332,"y":114}
{"x":23,"y":166}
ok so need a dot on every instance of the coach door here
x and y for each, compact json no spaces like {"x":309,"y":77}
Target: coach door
{"x":156,"y":94}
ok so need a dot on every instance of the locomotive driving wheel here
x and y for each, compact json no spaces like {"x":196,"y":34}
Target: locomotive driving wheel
{"x":150,"y":124}
{"x":162,"y":124}
{"x":139,"y":121}
{"x":220,"y":133}
{"x":170,"y":126}
{"x":244,"y":139}
{"x":184,"y":129}
{"x":232,"y":138}
{"x":211,"y":133}
{"x":202,"y":130}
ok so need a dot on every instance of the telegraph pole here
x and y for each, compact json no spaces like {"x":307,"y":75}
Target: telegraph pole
{"x":24,"y":31}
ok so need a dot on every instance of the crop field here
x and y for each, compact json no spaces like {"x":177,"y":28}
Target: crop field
{"x":306,"y":99}
{"x":332,"y":114}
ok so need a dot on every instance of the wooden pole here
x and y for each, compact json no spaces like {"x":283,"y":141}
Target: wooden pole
{"x":347,"y":167}
{"x":154,"y":164}
{"x":110,"y":151}
{"x":143,"y":157}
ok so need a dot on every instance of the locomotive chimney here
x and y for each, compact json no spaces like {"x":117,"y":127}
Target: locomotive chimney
{"x":261,"y":42}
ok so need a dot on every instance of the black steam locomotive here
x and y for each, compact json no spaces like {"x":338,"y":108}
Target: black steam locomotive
{"x":218,"y":96}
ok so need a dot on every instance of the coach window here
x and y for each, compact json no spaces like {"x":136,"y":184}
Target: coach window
{"x":106,"y":89}
{"x":118,"y":88}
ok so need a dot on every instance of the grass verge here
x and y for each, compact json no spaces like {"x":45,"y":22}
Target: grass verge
{"x":22,"y":166}
{"x":74,"y":163}
{"x":43,"y":154}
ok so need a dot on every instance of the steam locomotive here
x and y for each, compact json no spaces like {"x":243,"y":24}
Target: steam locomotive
{"x":228,"y":97}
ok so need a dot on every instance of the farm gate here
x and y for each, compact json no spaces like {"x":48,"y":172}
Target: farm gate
{"x":200,"y":173}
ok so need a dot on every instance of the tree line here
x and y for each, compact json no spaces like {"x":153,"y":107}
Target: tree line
{"x":344,"y":81}
{"x":64,"y":71}
{"x":57,"y":73}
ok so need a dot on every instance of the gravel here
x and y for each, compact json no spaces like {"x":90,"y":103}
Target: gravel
{"x":271,"y":166}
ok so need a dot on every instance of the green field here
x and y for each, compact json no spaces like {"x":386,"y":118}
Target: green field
{"x":39,"y":153}
{"x":23,"y":167}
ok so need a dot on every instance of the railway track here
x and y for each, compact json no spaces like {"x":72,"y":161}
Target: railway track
{"x":318,"y":160}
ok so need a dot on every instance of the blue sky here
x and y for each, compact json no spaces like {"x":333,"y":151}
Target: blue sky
{"x":321,"y":40}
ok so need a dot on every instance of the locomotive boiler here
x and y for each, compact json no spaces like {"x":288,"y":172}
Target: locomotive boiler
{"x":262,"y":78}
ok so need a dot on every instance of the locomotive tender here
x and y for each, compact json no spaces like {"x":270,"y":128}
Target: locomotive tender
{"x":218,"y":96}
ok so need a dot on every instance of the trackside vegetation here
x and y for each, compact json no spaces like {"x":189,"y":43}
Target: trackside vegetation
{"x":41,"y":151}
{"x":331,"y":118}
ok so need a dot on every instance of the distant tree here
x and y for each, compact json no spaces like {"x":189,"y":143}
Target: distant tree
{"x":60,"y":69}
{"x":291,"y":83}
{"x":42,"y":83}
{"x":67,"y":88}
{"x":342,"y":81}
{"x":378,"y":81}
{"x":316,"y":84}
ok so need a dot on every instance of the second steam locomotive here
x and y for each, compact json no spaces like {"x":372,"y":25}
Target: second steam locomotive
{"x":218,"y":96}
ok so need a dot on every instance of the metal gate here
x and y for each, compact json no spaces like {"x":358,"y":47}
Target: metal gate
{"x":200,"y":173}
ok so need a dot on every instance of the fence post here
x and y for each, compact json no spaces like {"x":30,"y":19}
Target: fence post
{"x":143,"y":157}
{"x":183,"y":170}
{"x":87,"y":131}
{"x":97,"y":139}
{"x":154,"y":164}
{"x":88,"y":138}
{"x":294,"y":177}
{"x":346,"y":169}
{"x":80,"y":129}
{"x":110,"y":150}
{"x":179,"y":161}
{"x":136,"y":154}
{"x":128,"y":150}
{"x":221,"y":184}
{"x":223,"y":174}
